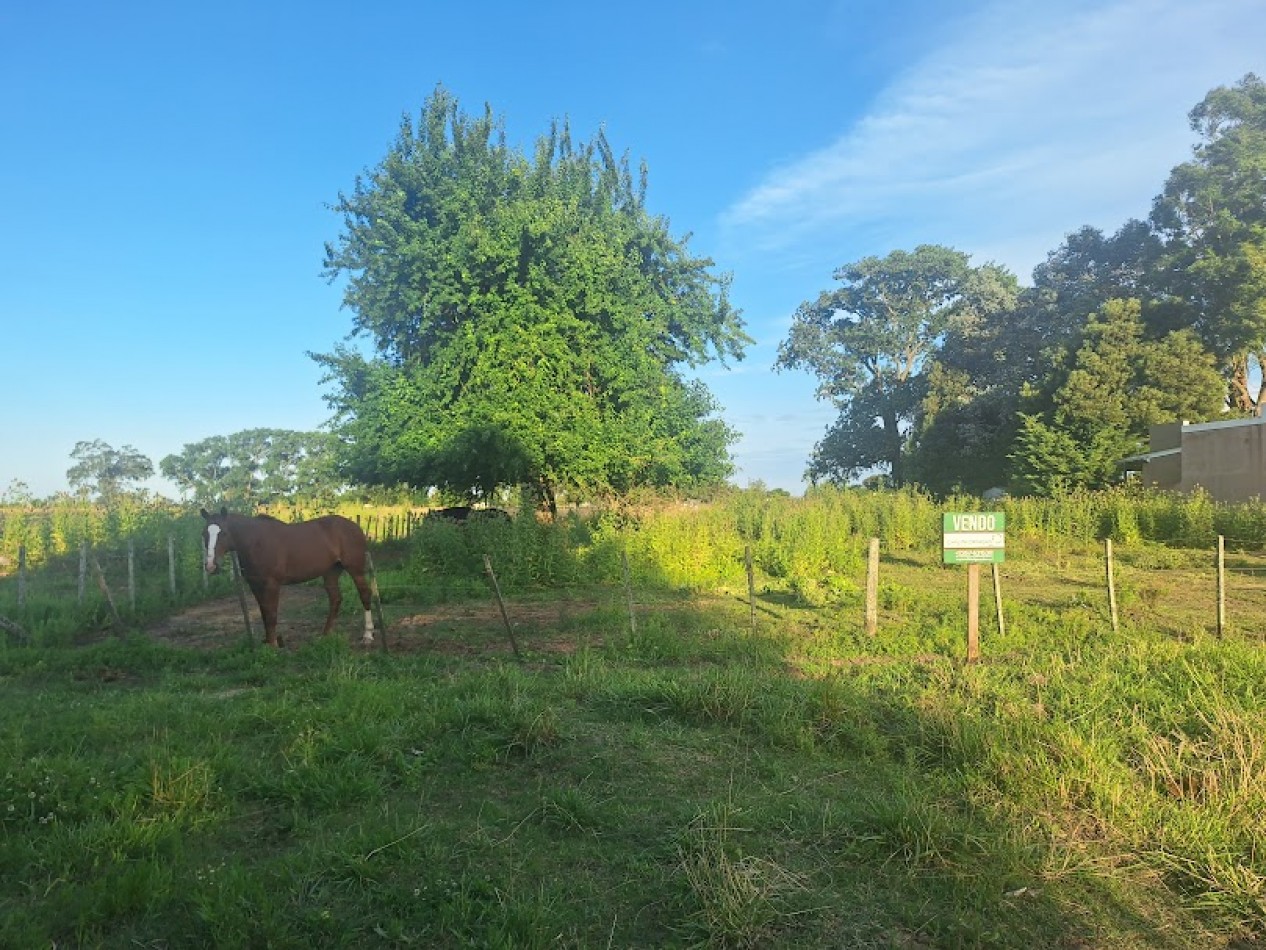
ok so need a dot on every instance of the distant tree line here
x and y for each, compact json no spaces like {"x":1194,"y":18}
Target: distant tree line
{"x":956,"y":377}
{"x":255,"y":466}
{"x":245,"y":468}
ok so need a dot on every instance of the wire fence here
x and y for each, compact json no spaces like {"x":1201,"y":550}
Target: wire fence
{"x":1180,"y":591}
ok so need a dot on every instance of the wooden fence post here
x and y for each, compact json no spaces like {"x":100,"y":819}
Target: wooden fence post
{"x":505,"y":617}
{"x":997,"y":600}
{"x":236,"y":569}
{"x":21,"y":576}
{"x":628,"y":591}
{"x":751,"y":586}
{"x":872,"y":588}
{"x":131,"y":575}
{"x":1112,"y":590}
{"x":83,"y":570}
{"x":171,"y":564}
{"x":973,"y":613}
{"x":1221,"y":585}
{"x":105,"y":590}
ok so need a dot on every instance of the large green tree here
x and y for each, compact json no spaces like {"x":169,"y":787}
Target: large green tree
{"x":1010,"y":352}
{"x":1089,"y":268}
{"x":105,"y":471}
{"x":869,"y":341}
{"x":1118,"y":384}
{"x":529,"y":320}
{"x":966,"y":419}
{"x":1212,"y":218}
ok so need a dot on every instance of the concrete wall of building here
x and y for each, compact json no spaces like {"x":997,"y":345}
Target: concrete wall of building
{"x":1165,"y":472}
{"x":1229,"y":462}
{"x":1167,"y":435}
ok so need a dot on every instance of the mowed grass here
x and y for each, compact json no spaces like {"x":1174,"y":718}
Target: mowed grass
{"x":690,"y":782}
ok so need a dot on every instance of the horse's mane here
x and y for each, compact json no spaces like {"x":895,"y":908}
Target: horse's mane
{"x":268,"y":518}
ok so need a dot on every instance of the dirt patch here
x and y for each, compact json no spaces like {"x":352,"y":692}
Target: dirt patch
{"x":463,"y":628}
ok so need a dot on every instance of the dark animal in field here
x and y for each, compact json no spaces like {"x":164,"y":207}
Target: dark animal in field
{"x":272,"y":553}
{"x":464,"y":513}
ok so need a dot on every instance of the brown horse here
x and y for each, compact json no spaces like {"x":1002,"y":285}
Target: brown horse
{"x":273,"y":553}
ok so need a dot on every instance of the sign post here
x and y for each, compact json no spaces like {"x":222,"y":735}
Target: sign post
{"x":973,"y":538}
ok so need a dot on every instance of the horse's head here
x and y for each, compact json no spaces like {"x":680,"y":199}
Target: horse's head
{"x":216,"y":541}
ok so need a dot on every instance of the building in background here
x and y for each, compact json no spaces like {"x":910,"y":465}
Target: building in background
{"x":1226,"y":459}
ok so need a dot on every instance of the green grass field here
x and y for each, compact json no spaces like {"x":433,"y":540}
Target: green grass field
{"x":703,"y":775}
{"x":693,"y":782}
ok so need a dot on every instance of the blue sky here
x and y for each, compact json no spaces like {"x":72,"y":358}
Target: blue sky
{"x":166,"y":171}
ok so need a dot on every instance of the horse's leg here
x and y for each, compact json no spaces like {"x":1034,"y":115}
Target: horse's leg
{"x":268,"y":594}
{"x":362,"y":588}
{"x":336,"y":596}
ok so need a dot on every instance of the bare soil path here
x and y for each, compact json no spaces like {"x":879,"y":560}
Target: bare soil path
{"x":466,"y":627}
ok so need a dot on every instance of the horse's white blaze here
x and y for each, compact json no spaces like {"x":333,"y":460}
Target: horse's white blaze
{"x":213,"y":531}
{"x":369,"y":627}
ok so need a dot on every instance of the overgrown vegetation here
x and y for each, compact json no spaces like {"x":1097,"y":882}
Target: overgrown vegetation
{"x":693,"y":780}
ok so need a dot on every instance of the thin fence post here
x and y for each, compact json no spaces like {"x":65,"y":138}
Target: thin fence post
{"x":628,"y":591}
{"x":83,"y":570}
{"x":131,"y":575}
{"x":171,"y":564}
{"x":1112,"y":590}
{"x":505,"y":617}
{"x":21,"y":576}
{"x":1221,"y":585}
{"x":997,"y":600}
{"x":751,"y":585}
{"x":973,"y":613}
{"x":105,"y":590}
{"x":872,"y":588}
{"x":236,"y":570}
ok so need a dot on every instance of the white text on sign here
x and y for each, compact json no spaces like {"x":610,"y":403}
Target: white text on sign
{"x":975,"y":521}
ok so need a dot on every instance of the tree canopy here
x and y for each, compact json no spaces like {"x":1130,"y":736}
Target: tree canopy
{"x":868,"y":340}
{"x":1211,"y":217}
{"x":1118,"y":384}
{"x":254,"y":465}
{"x":957,"y":378}
{"x":105,"y":471}
{"x":528,"y":320}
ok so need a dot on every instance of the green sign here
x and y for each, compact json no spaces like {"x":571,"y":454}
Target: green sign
{"x":973,"y":537}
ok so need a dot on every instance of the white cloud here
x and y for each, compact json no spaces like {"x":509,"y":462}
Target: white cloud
{"x":1030,"y":121}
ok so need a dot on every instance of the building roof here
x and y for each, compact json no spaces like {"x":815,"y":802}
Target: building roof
{"x":1151,"y":456}
{"x":1223,"y":424}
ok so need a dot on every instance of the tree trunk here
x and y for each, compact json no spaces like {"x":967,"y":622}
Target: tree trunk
{"x":1241,"y":395}
{"x":1259,"y":357}
{"x":545,"y":492}
{"x":1237,"y":393}
{"x":893,"y":435}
